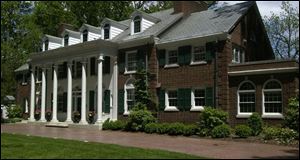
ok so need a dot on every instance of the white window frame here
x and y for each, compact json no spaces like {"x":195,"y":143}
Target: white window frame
{"x":244,"y":114}
{"x":267,"y":114}
{"x":133,"y":21}
{"x":193,"y":102}
{"x":170,"y":108}
{"x":126,"y":62}
{"x":193,"y":62}
{"x":126,"y":86}
{"x":167,"y":59}
{"x":109,"y":32}
{"x":238,"y":53}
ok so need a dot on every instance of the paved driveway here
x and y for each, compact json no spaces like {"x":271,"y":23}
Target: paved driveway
{"x":202,"y":147}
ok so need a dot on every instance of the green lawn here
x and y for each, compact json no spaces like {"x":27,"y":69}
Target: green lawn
{"x":20,"y":146}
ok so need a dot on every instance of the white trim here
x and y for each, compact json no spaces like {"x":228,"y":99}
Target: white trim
{"x":198,"y":63}
{"x":126,"y":110}
{"x":126,"y":61}
{"x":245,"y":114}
{"x":193,"y":104}
{"x":263,"y":71}
{"x":167,"y":107}
{"x":273,"y":114}
{"x":167,"y":59}
{"x":171,"y":65}
{"x":193,"y":62}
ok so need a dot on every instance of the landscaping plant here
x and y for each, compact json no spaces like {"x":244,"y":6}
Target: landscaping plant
{"x":255,"y":123}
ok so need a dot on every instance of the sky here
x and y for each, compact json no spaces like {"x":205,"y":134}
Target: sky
{"x":265,"y":7}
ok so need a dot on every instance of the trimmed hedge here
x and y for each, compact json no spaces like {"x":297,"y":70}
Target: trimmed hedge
{"x":113,"y":125}
{"x":171,"y":128}
{"x":255,"y":123}
{"x":137,"y":120}
{"x":221,"y":131}
{"x":243,"y":131}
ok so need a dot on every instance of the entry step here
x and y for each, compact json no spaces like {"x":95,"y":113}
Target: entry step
{"x":60,"y":125}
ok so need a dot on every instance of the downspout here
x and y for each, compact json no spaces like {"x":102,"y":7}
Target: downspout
{"x":215,"y":102}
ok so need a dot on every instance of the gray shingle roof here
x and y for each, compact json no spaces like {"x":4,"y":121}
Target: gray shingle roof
{"x":24,"y":67}
{"x":207,"y":22}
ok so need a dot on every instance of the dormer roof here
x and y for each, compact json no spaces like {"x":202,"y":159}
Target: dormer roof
{"x":71,"y":33}
{"x":114,"y":23}
{"x":144,"y":15}
{"x":90,"y":28}
{"x":52,"y":38}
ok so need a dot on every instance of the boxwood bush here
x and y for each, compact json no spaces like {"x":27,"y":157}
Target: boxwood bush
{"x":189,"y":130}
{"x":113,"y":125}
{"x":281,"y":135}
{"x":255,"y":123}
{"x":176,"y":128}
{"x":138,"y":119}
{"x":243,"y":131}
{"x":291,"y":118}
{"x":221,"y":131}
{"x":151,"y":127}
{"x":162,"y":128}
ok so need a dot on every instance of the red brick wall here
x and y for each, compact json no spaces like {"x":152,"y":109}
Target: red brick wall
{"x":23,"y":91}
{"x":188,"y":7}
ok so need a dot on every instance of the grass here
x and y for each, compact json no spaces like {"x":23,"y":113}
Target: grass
{"x":20,"y":146}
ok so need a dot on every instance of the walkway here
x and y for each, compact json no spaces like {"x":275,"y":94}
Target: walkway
{"x":202,"y":147}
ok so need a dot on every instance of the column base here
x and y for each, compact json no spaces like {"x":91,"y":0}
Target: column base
{"x":69,"y":121}
{"x":83,"y":122}
{"x":99,"y":122}
{"x":54,"y":121}
{"x":42,"y":120}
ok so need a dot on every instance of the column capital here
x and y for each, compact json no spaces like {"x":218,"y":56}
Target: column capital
{"x":100,"y":57}
{"x":69,"y":63}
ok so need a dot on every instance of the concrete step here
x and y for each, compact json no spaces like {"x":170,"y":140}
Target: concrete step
{"x":58,"y":124}
{"x":88,"y":126}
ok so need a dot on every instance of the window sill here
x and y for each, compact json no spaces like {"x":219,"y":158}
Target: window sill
{"x":171,"y":65}
{"x":129,"y":72}
{"x":173,"y":108}
{"x":243,"y":115}
{"x":275,"y":116}
{"x":198,"y":63}
{"x":197,"y":108}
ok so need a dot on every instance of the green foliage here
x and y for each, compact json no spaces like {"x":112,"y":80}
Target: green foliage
{"x":270,"y":133}
{"x":106,"y":125}
{"x":190,"y":130}
{"x":113,"y":125}
{"x":281,"y":135}
{"x":210,"y":118}
{"x":221,"y":131}
{"x":139,"y":106}
{"x":176,"y":128}
{"x":243,"y":131}
{"x":291,"y":119}
{"x":14,"y":111}
{"x":137,"y":120}
{"x":151,"y":127}
{"x":255,"y":123}
{"x":141,"y":88}
{"x":162,"y":128}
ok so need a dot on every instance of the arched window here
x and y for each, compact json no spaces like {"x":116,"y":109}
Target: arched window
{"x":272,"y":97}
{"x":85,"y":35}
{"x":246,"y":98}
{"x":46,"y":44}
{"x":106,"y":31}
{"x":66,"y":40}
{"x":129,"y":96}
{"x":137,"y":24}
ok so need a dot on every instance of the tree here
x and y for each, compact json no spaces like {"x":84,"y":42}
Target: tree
{"x":283,"y":30}
{"x":141,"y":88}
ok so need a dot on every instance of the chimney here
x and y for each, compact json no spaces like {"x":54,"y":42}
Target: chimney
{"x":62,"y":27}
{"x":188,"y":7}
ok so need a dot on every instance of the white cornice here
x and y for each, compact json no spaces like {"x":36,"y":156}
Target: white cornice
{"x":264,"y":71}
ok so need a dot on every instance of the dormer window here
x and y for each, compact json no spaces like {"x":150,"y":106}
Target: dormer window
{"x":106,"y":31}
{"x":137,"y":24}
{"x":66,"y":40}
{"x":85,"y":35}
{"x":46,"y":44}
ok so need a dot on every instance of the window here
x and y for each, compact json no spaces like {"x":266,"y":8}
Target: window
{"x":238,"y":55}
{"x":246,"y":98}
{"x":172,"y":98}
{"x":106,"y":31}
{"x":85,"y":35}
{"x":172,"y":57}
{"x":66,"y":40}
{"x":199,"y":97}
{"x":199,"y":54}
{"x":131,"y":61}
{"x":46,"y":44}
{"x":129,"y":96}
{"x":137,"y":24}
{"x":272,"y":98}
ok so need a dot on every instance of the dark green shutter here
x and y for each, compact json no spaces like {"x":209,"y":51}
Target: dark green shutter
{"x":92,"y":100}
{"x":121,"y":101}
{"x":187,"y":100}
{"x":106,"y":101}
{"x":184,"y":99}
{"x":106,"y":65}
{"x":184,"y":55}
{"x":162,"y":100}
{"x":209,"y":96}
{"x":121,"y":62}
{"x":93,"y":66}
{"x":161,"y":55}
{"x":65,"y":101}
{"x":210,"y":51}
{"x":180,"y":99}
{"x":141,"y":58}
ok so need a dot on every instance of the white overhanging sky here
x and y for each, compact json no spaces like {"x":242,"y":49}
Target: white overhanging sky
{"x":265,"y":7}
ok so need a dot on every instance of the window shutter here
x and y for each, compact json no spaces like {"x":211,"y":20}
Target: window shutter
{"x":65,"y":101}
{"x":141,"y":58}
{"x":121,"y":101}
{"x":187,"y":100}
{"x":210,"y":50}
{"x":209,"y":96}
{"x":161,"y":57}
{"x":93,"y":66}
{"x":106,"y":101}
{"x":121,"y":62}
{"x":106,"y":65}
{"x":180,"y":99}
{"x":184,"y":55}
{"x":162,"y":100}
{"x":91,"y":100}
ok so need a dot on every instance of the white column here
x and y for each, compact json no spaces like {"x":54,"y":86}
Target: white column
{"x":69,"y":104}
{"x":115,"y":90}
{"x":99,"y":89}
{"x":54,"y":117}
{"x":43,"y":96}
{"x":83,"y":94}
{"x":32,"y":96}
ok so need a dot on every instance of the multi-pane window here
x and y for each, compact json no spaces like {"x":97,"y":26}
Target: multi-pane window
{"x":238,"y":55}
{"x":199,"y":54}
{"x":272,"y":97}
{"x":66,"y":40}
{"x":246,"y":98}
{"x":131,"y":61}
{"x":172,"y":57}
{"x":46,"y":45}
{"x":130,"y":98}
{"x":137,"y":24}
{"x":106,"y":31}
{"x":172,"y":98}
{"x":199,"y":97}
{"x":85,"y":35}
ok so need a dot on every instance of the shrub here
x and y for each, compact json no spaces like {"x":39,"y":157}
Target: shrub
{"x":117,"y":125}
{"x":243,"y":131}
{"x":291,"y":118}
{"x":221,"y":131}
{"x":176,"y":128}
{"x":189,"y":130}
{"x":270,"y":133}
{"x":210,"y":118}
{"x":162,"y":128}
{"x":106,"y":125}
{"x":14,"y":111}
{"x":287,"y":135}
{"x":203,"y":132}
{"x":137,"y":120}
{"x":151,"y":127}
{"x":255,"y":123}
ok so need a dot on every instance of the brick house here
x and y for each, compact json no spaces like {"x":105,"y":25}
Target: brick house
{"x":196,"y":57}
